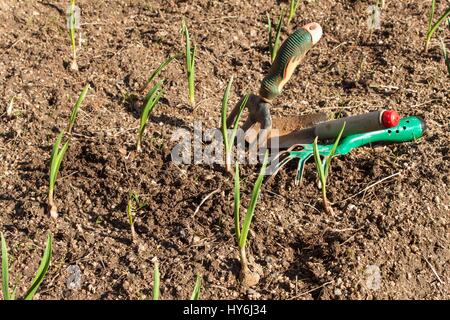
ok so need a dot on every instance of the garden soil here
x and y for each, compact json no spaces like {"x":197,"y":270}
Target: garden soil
{"x":389,"y":237}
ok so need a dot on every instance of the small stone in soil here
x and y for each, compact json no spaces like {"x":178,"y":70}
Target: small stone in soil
{"x":373,"y":277}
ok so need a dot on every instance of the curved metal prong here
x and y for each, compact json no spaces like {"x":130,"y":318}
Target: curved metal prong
{"x":301,"y":169}
{"x":280,"y":165}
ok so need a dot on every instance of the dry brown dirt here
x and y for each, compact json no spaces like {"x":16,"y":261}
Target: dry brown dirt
{"x":400,"y":225}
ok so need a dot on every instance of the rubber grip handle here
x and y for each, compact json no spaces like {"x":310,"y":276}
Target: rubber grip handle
{"x":408,"y":129}
{"x":291,"y":52}
{"x":361,"y":123}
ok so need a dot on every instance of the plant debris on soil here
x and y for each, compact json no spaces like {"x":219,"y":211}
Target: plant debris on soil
{"x":389,"y":242}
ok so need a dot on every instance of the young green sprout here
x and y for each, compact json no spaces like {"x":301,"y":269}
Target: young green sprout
{"x":151,"y":99}
{"x":323,"y":169}
{"x":133,"y":206}
{"x":72,"y":27}
{"x":5,"y":272}
{"x":190,"y":63}
{"x":228,"y":141}
{"x":74,"y":112}
{"x":131,"y":211}
{"x":431,"y":16}
{"x":156,"y":284}
{"x":158,"y":70}
{"x":446,"y":56}
{"x":197,"y":288}
{"x":274,"y":45}
{"x":156,"y":281}
{"x":248,"y":278}
{"x":433,"y":27}
{"x":293,"y":6}
{"x":55,"y":162}
{"x":40,"y":274}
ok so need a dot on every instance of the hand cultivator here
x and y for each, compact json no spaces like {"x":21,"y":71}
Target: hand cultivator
{"x":296,"y":133}
{"x":408,"y":129}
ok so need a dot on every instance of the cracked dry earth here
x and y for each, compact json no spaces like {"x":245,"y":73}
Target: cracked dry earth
{"x":389,"y":242}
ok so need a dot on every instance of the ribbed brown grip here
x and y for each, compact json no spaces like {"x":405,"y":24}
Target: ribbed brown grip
{"x":289,"y":55}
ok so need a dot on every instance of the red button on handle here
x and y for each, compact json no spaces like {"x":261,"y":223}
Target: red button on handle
{"x":390,"y":118}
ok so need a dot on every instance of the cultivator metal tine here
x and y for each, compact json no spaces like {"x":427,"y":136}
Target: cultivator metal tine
{"x":301,"y":168}
{"x":289,"y":155}
{"x":273,"y":170}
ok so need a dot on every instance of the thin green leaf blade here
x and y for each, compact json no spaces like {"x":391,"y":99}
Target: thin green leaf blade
{"x":192,"y":66}
{"x":72,"y":26}
{"x":237,"y":203}
{"x":152,"y":99}
{"x":74,"y":112}
{"x":236,"y":121}
{"x":59,"y":158}
{"x":198,"y":286}
{"x":156,"y":282}
{"x":251,"y":208}
{"x":42,"y":270}
{"x":5,"y":271}
{"x":54,"y":166}
{"x":164,"y":64}
{"x":437,"y":24}
{"x":318,"y":162}
{"x":276,"y":45}
{"x":269,"y":27}
{"x":224,"y":111}
{"x":431,"y":16}
{"x":333,"y":150}
{"x":130,"y":210}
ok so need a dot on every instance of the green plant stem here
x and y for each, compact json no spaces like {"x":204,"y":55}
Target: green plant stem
{"x":276,"y":45}
{"x":228,"y":151}
{"x":251,"y":208}
{"x":72,"y":21}
{"x":55,"y":163}
{"x":151,"y":99}
{"x":197,"y":288}
{"x":223,"y":126}
{"x":323,"y":169}
{"x":237,"y":203}
{"x":293,"y":6}
{"x":160,"y":68}
{"x":74,"y":112}
{"x":130,"y":217}
{"x":190,"y":64}
{"x":42,"y":270}
{"x":156,"y":282}
{"x":431,"y":16}
{"x":191,"y":79}
{"x":5,"y":267}
{"x":435,"y":26}
{"x":326,"y":204}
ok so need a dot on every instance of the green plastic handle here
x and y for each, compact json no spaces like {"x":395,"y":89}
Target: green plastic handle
{"x":408,"y":129}
{"x":291,"y":52}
